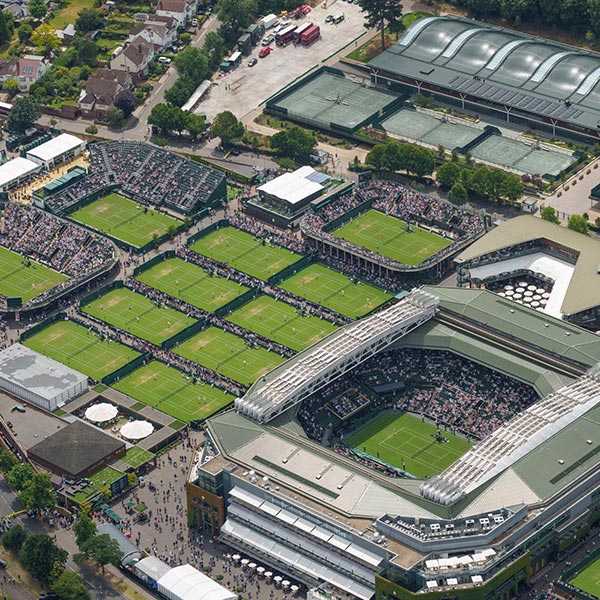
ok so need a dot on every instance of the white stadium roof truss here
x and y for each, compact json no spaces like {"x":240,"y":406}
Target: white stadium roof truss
{"x":335,"y":355}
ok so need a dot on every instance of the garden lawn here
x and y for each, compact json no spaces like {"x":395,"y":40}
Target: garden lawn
{"x":589,"y":579}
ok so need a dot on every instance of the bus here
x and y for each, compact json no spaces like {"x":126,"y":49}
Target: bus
{"x":301,"y":30}
{"x":286,"y":35}
{"x":5,"y":108}
{"x":310,"y":35}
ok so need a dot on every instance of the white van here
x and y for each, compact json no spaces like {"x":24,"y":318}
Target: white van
{"x":338,"y":19}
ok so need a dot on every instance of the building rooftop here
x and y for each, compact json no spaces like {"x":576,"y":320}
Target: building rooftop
{"x":293,"y":187}
{"x":37,"y":373}
{"x":55,"y":147}
{"x":16,"y":168}
{"x":499,"y":65}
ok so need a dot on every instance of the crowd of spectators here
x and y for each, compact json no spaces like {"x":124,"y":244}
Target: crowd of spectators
{"x":46,"y":238}
{"x":347,"y":403}
{"x":148,"y":174}
{"x":279,"y":237}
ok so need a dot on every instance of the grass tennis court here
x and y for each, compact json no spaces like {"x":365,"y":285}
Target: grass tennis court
{"x":172,"y":392}
{"x":137,"y":314}
{"x":335,"y":290}
{"x":192,"y":284}
{"x":406,"y":442}
{"x":25,"y":282}
{"x":125,"y":220}
{"x":244,"y":252}
{"x":229,"y":355}
{"x":388,"y":236}
{"x":135,"y":457}
{"x":73,"y":345}
{"x":102,"y":478}
{"x":281,"y":322}
{"x":589,"y":579}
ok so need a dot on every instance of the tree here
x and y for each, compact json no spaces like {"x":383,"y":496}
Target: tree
{"x":193,"y":63}
{"x":214,"y":47}
{"x":195,"y":125}
{"x":579,"y":224}
{"x":296,"y":143}
{"x":84,"y":528}
{"x":185,"y":38}
{"x":11,"y":87}
{"x":45,"y":37}
{"x":92,"y":130}
{"x":38,"y":555}
{"x":70,"y":586}
{"x":24,"y":113}
{"x":24,"y":32}
{"x":420,"y":161}
{"x":235,"y":15}
{"x":167,"y":118}
{"x":87,"y":51}
{"x":380,"y":12}
{"x":376,"y":157}
{"x":103,"y":550}
{"x":115,"y":116}
{"x":37,"y":9}
{"x":14,"y":538}
{"x":126,"y":101}
{"x":226,"y":126}
{"x":19,"y":476}
{"x":88,"y":19}
{"x":38,"y":493}
{"x":448,"y":174}
{"x":549,"y":214}
{"x":458,"y":194}
{"x":179,"y":93}
{"x":6,"y":27}
{"x":594,"y":16}
{"x":7,"y":460}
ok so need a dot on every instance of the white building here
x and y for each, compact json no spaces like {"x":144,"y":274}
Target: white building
{"x":15,"y":172}
{"x":60,"y":149}
{"x":35,"y":378}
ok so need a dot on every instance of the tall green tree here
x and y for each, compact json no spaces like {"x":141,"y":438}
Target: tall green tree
{"x":179,"y":93}
{"x":594,"y":16}
{"x":88,"y":19}
{"x":296,"y":143}
{"x":448,"y":174}
{"x":24,"y":32}
{"x":378,"y":13}
{"x":37,"y":9}
{"x":20,"y":475}
{"x":214,"y":47}
{"x":14,"y":538}
{"x":103,"y":550}
{"x":458,"y":194}
{"x":5,"y":27}
{"x":193,"y":63}
{"x":45,"y":37}
{"x":70,"y":586}
{"x":7,"y":460}
{"x":167,"y":118}
{"x":87,"y":51}
{"x":226,"y":126}
{"x":39,"y":554}
{"x":236,"y":15}
{"x":195,"y":125}
{"x":38,"y":493}
{"x":549,"y":214}
{"x":376,"y":157}
{"x":84,"y":528}
{"x":126,"y":101}
{"x":579,"y":224}
{"x":11,"y":87}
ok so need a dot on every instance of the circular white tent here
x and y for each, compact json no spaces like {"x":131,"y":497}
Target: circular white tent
{"x":99,"y":413}
{"x":137,"y":430}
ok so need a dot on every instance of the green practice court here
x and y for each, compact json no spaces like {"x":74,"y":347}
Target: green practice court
{"x":173,"y":392}
{"x":125,"y":220}
{"x":408,"y":443}
{"x":335,"y":290}
{"x":426,"y":128}
{"x":73,"y":345}
{"x":138,"y":315}
{"x":589,"y":579}
{"x":281,"y":322}
{"x":244,"y":252}
{"x":25,"y":282}
{"x":105,"y":477}
{"x":134,"y":457}
{"x":192,"y":284}
{"x":229,"y":355}
{"x":387,"y":236}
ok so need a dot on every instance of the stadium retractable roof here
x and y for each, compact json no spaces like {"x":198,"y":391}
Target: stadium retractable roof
{"x":500,"y":66}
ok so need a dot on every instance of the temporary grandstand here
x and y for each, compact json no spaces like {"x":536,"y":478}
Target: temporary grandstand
{"x":332,"y":101}
{"x":321,"y":515}
{"x":530,"y":246}
{"x":490,"y":70}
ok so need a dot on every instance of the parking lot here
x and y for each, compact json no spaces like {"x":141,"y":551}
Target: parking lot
{"x":246,"y":87}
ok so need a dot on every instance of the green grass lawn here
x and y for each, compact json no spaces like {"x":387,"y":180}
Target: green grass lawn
{"x":229,"y":355}
{"x":244,"y":252}
{"x":140,"y":316}
{"x":125,"y":220}
{"x":589,"y":579}
{"x":67,"y":13}
{"x":387,"y":236}
{"x":395,"y":438}
{"x":335,"y":291}
{"x":80,"y":349}
{"x":134,"y":457}
{"x":103,"y":477}
{"x":192,"y":284}
{"x":17,"y":280}
{"x":281,"y":322}
{"x":169,"y":390}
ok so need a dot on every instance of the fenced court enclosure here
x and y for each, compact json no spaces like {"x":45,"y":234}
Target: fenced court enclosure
{"x":83,"y":350}
{"x":192,"y":284}
{"x":125,"y":220}
{"x":244,"y":252}
{"x":281,"y":322}
{"x":138,"y":315}
{"x":229,"y":355}
{"x":406,"y":442}
{"x":173,"y":392}
{"x":335,"y":290}
{"x":23,"y":278}
{"x":391,"y":237}
{"x":331,"y":100}
{"x":589,"y":579}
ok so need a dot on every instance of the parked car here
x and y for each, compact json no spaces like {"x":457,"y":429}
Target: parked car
{"x":252,"y":62}
{"x":3,"y":564}
{"x":305,"y":9}
{"x":165,"y":60}
{"x":268,"y":40}
{"x":265,"y":52}
{"x":328,"y":18}
{"x":194,"y":22}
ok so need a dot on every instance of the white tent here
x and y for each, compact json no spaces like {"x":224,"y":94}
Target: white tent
{"x":137,"y":430}
{"x":99,"y":413}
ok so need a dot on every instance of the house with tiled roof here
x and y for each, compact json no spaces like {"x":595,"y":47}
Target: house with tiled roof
{"x":25,"y":69}
{"x":134,"y":58}
{"x":181,"y":10}
{"x":101,"y":90}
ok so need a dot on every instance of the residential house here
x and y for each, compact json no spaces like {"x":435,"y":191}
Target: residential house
{"x":19,"y":11}
{"x":101,"y":90}
{"x":161,"y":32}
{"x":134,"y":58}
{"x":25,"y":69}
{"x":181,"y":10}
